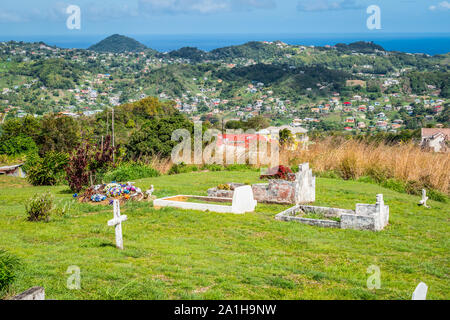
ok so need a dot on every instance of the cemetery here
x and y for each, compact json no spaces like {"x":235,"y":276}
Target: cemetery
{"x":136,"y":250}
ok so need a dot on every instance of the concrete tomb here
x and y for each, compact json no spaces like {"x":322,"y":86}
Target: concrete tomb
{"x":365,"y":217}
{"x":241,"y":202}
{"x":277,"y":191}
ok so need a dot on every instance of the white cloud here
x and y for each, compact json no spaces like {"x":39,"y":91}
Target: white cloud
{"x":328,"y":5}
{"x":6,"y":16}
{"x":444,"y":5}
{"x":152,"y":7}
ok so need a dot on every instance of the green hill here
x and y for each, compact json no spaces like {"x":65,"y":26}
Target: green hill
{"x":118,"y":44}
{"x":252,"y":50}
{"x":190,"y":53}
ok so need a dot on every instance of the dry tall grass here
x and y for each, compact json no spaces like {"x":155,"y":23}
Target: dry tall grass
{"x":352,"y":159}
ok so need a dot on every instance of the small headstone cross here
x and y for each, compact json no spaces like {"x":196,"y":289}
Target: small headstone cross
{"x":117,"y":222}
{"x":421,"y":292}
{"x":424,"y":200}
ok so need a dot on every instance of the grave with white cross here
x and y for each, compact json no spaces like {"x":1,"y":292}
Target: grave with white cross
{"x":117,"y":222}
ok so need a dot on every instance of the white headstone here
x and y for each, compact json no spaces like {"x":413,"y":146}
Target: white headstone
{"x":243,"y":200}
{"x":305,"y":185}
{"x":421,"y":292}
{"x":117,"y":222}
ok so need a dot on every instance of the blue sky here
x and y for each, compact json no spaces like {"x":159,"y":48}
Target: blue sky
{"x":133,"y":17}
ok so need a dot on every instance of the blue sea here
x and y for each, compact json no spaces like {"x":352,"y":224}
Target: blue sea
{"x":432,"y":44}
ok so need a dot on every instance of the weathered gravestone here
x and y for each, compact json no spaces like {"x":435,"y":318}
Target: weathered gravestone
{"x":243,"y":200}
{"x":35,"y":293}
{"x":421,"y":292}
{"x":117,"y":222}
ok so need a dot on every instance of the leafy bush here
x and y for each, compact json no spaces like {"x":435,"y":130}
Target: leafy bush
{"x":8,"y":267}
{"x":437,"y":195}
{"x":18,"y":145}
{"x":394,"y":184}
{"x":77,"y":169}
{"x":39,"y":207}
{"x":131,"y":171}
{"x":46,"y":171}
{"x":88,"y":163}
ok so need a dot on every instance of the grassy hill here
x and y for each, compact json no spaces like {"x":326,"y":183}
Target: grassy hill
{"x":176,"y":254}
{"x":118,"y":44}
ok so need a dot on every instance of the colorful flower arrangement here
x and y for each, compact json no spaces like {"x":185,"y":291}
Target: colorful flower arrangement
{"x":98,"y":197}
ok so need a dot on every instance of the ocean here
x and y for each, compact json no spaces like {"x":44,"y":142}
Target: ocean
{"x":413,"y":43}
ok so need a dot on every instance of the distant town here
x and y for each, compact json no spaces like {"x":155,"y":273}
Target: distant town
{"x":370,"y":90}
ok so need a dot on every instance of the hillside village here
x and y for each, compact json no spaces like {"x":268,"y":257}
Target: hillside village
{"x":85,"y":82}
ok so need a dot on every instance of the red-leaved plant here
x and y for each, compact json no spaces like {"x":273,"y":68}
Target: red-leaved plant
{"x":87,"y":161}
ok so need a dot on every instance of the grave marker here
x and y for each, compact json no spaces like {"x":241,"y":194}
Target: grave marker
{"x":421,"y":292}
{"x":117,"y":222}
{"x":424,"y":200}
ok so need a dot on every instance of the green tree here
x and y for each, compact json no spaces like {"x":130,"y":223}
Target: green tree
{"x":60,"y":134}
{"x":286,"y":137}
{"x":155,"y":137}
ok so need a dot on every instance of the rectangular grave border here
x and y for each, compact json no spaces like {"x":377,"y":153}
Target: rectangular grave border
{"x":242,"y":202}
{"x":365,"y":217}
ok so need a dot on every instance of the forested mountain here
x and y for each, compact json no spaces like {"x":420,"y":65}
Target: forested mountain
{"x":118,"y":44}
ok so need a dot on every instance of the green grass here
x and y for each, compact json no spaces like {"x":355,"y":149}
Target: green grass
{"x":320,"y":216}
{"x":176,"y":254}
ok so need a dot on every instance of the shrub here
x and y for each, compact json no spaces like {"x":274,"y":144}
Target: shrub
{"x":39,"y":207}
{"x":9,"y":264}
{"x":77,"y":169}
{"x":437,"y":196}
{"x":18,"y":145}
{"x":90,"y":161}
{"x":128,"y":172}
{"x":224,"y":187}
{"x":394,"y":184}
{"x":46,"y":171}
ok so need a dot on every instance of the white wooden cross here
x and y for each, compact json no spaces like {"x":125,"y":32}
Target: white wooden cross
{"x":117,"y":222}
{"x":424,"y":200}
